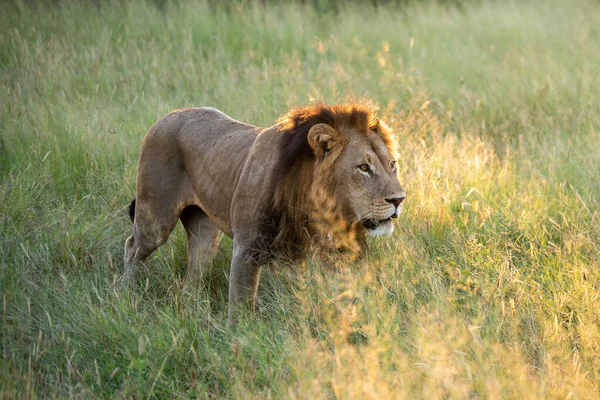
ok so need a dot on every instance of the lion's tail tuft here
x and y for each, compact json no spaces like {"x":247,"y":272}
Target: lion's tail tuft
{"x":132,"y":210}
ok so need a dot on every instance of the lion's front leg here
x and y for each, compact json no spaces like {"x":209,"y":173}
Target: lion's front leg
{"x":243,"y":281}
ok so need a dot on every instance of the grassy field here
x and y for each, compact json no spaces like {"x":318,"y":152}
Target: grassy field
{"x":489,"y":288}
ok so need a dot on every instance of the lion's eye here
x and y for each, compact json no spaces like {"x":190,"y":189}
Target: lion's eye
{"x":364,"y":168}
{"x":393,"y":165}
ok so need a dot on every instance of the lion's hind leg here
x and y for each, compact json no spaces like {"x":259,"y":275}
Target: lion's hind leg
{"x":203,"y":239}
{"x":153,"y":223}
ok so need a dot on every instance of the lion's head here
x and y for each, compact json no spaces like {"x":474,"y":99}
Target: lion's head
{"x":347,"y":154}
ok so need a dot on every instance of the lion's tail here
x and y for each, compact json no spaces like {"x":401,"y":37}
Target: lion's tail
{"x":132,"y":209}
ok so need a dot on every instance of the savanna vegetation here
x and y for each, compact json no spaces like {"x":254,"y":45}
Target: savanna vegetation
{"x":489,"y":288}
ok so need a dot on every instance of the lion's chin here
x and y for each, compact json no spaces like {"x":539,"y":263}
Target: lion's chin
{"x":379,"y":228}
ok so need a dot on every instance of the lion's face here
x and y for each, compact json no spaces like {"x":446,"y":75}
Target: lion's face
{"x":367,"y":182}
{"x":364,"y":183}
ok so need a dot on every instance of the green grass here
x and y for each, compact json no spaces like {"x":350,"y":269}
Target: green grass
{"x":489,"y":287}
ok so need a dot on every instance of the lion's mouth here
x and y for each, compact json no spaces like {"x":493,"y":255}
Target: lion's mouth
{"x":372,"y":224}
{"x":381,"y":227}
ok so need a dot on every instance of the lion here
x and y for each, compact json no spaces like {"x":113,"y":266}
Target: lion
{"x":275,"y":190}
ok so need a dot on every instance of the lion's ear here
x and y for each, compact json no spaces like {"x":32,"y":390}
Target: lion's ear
{"x":322,"y":138}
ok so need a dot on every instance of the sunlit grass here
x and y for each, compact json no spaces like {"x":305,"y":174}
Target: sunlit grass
{"x":488,"y":288}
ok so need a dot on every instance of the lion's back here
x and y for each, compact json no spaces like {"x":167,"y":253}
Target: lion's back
{"x":197,"y":120}
{"x":207,"y":130}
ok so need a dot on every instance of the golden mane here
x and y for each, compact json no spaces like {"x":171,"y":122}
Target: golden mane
{"x":361,"y":116}
{"x":296,"y":196}
{"x":295,"y":124}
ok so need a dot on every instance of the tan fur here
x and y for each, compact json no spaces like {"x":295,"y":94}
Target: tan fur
{"x":274,"y":191}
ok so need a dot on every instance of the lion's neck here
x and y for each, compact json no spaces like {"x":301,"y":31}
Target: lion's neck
{"x":293,"y":209}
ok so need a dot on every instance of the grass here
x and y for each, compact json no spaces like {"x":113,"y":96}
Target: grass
{"x":489,"y":287}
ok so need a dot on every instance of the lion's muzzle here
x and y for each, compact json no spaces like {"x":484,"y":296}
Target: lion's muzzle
{"x":381,"y":225}
{"x":396,"y":201}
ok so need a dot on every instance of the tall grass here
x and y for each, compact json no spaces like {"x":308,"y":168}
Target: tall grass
{"x":489,"y":288}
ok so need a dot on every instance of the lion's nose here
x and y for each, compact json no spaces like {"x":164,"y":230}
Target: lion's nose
{"x":396,"y":199}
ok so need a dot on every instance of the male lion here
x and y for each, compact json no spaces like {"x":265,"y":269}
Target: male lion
{"x":273,"y":190}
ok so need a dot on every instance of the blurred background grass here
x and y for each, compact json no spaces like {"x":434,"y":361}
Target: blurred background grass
{"x":489,"y":288}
